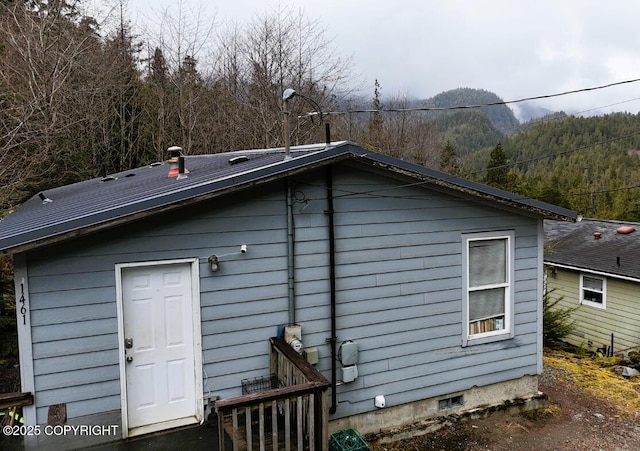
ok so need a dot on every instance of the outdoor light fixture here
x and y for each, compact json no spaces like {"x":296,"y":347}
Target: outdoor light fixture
{"x":213,"y":263}
{"x":214,"y":260}
{"x":287,"y":95}
{"x":290,"y":93}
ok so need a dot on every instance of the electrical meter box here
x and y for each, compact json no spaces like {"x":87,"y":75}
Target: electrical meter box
{"x":349,"y":353}
{"x":349,"y":373}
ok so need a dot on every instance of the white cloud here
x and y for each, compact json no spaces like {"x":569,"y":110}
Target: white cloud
{"x":516,"y":49}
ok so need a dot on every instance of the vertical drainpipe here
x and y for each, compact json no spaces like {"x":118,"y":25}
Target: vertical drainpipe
{"x":332,"y":288}
{"x":290,"y":254}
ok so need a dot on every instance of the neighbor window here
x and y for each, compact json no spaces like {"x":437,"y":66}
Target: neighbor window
{"x":593,"y":291}
{"x":488,"y":291}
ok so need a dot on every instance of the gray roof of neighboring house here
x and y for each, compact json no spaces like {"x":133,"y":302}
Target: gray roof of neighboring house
{"x":98,"y":203}
{"x":575,"y":245}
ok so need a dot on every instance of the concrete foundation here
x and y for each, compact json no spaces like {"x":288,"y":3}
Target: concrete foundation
{"x":409,"y":420}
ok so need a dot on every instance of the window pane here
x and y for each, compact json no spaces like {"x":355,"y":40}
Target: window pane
{"x":487,"y":262}
{"x":591,"y":283}
{"x":592,"y":296}
{"x":486,"y":303}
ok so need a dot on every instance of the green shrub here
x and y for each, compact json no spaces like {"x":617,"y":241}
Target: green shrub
{"x":556,"y":321}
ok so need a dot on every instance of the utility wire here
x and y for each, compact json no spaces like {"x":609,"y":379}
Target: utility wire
{"x":502,"y":102}
{"x":557,"y":154}
{"x":376,"y":192}
{"x":602,"y":191}
{"x":554,"y":118}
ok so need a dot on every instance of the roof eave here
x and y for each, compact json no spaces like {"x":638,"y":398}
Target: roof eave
{"x":595,"y":271}
{"x":451,"y":184}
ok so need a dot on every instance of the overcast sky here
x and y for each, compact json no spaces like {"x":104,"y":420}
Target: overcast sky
{"x":514,"y":48}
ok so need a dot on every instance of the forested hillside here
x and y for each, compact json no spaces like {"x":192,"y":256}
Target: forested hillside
{"x":500,"y":116}
{"x":591,"y":165}
{"x":468,"y":130}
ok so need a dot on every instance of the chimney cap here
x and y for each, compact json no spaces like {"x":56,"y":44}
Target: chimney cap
{"x":174,"y":151}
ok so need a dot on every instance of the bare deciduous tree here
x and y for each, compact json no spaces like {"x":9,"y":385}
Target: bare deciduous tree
{"x":276,"y":51}
{"x":44,"y":47}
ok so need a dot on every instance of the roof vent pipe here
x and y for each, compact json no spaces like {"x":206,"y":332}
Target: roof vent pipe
{"x":175,"y":157}
{"x":43,"y":197}
{"x":597,"y":235}
{"x":327,"y":134}
{"x":182,"y":172}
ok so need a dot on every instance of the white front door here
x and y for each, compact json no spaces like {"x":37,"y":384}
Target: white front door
{"x":160,"y":369}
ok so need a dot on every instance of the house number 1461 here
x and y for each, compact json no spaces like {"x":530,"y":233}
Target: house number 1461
{"x":23,"y":307}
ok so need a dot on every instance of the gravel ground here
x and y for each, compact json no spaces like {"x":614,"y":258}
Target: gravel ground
{"x":575,"y":420}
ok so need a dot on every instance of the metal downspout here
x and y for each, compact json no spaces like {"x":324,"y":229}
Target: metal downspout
{"x":332,"y":288}
{"x":290,"y":254}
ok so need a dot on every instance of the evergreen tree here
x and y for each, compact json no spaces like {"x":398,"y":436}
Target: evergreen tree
{"x":556,"y":320}
{"x":158,"y":105}
{"x":123,"y":102}
{"x":497,"y":170}
{"x":449,"y":159}
{"x":376,"y":122}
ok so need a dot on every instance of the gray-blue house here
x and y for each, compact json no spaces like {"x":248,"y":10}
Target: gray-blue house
{"x":144,"y":297}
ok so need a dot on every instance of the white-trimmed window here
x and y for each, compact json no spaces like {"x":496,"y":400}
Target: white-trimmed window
{"x":593,"y":291}
{"x":488,"y":286}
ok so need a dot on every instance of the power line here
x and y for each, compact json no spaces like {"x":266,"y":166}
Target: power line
{"x":450,"y":177}
{"x":555,"y":118}
{"x":606,"y":106}
{"x":564,"y":152}
{"x":602,"y":191}
{"x":461,"y":107}
{"x":376,"y":193}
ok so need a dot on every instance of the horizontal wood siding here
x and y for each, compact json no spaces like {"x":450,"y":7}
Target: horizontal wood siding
{"x":620,"y":318}
{"x":73,"y":308}
{"x":399,"y":289}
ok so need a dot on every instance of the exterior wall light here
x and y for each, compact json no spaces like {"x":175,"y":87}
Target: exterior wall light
{"x":214,"y":265}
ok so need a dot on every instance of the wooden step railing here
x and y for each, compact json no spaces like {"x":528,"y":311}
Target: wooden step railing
{"x":294,"y":416}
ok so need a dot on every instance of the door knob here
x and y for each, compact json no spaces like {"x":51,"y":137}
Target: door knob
{"x":129,"y":359}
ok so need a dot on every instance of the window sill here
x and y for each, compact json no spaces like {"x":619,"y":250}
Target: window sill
{"x":594,"y":305}
{"x":487,"y":338}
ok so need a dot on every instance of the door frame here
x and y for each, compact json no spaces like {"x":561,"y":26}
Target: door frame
{"x":197,"y":347}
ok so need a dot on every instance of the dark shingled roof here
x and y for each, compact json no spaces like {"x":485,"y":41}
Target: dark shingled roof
{"x":98,"y":203}
{"x":574,"y":245}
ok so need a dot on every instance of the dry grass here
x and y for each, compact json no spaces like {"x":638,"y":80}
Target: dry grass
{"x":598,"y":377}
{"x":589,"y":382}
